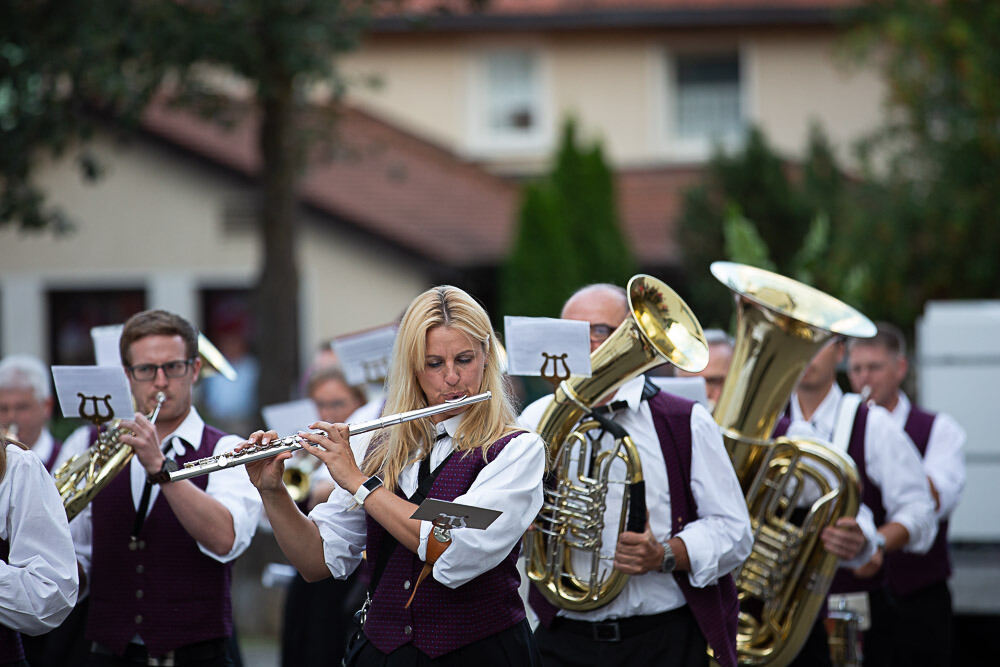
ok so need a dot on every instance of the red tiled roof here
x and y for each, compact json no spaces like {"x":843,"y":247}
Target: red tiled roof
{"x":421,"y":197}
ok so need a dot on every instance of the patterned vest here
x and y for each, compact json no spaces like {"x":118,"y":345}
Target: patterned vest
{"x":714,"y":607}
{"x":908,"y":572}
{"x":10,"y":641}
{"x":164,"y":589}
{"x":56,"y":447}
{"x":441,"y":619}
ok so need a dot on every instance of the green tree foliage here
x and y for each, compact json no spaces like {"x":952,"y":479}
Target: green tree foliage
{"x":568,"y":233}
{"x":930,"y":216}
{"x":64,"y":64}
{"x":755,"y":208}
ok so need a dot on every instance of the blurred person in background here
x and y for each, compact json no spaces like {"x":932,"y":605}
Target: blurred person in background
{"x":26,"y":406}
{"x":897,"y":510}
{"x":720,"y":356}
{"x":317,"y":618}
{"x":916,"y":584}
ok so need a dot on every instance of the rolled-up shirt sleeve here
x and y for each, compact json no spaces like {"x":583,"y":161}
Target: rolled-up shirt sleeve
{"x":232,"y":488}
{"x":944,"y":463}
{"x":893,"y":465}
{"x":511,"y":483}
{"x":341,"y":523}
{"x":721,"y":538}
{"x":38,"y":583}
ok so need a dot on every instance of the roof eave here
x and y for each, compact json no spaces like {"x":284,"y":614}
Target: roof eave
{"x":612,"y":19}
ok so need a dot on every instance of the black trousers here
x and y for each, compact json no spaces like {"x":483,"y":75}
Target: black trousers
{"x":676,"y":641}
{"x":318,"y":620}
{"x":925,"y":614}
{"x":513,"y":647}
{"x":210,"y":653}
{"x":62,"y":647}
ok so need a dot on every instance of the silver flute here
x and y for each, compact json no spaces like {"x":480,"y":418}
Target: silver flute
{"x":293,"y":442}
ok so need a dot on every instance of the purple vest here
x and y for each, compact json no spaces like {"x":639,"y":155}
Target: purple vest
{"x":165,"y":589}
{"x":714,"y":607}
{"x":56,"y":447}
{"x":908,"y":572}
{"x":441,"y":619}
{"x":10,"y":641}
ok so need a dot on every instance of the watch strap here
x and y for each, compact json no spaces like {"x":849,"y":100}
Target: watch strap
{"x":366,"y":488}
{"x":162,"y":477}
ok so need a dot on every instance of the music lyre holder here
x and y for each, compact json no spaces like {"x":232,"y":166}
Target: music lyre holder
{"x":96,"y":417}
{"x":554,"y":377}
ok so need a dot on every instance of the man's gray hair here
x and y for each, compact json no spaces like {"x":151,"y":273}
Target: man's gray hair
{"x":719,"y":337}
{"x":616,"y":290}
{"x":22,"y":371}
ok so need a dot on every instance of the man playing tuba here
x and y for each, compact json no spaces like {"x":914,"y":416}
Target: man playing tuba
{"x":895,"y":492}
{"x":679,"y":596}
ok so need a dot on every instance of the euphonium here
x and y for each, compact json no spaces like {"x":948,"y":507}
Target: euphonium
{"x":80,"y":478}
{"x":660,"y":328}
{"x":297,"y":477}
{"x":781,"y":325}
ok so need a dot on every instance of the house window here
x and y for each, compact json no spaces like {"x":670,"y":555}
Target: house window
{"x":708,"y":92}
{"x":507,"y":108}
{"x":72,"y":314}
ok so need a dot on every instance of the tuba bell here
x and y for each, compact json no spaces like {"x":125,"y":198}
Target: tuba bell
{"x":568,"y":528}
{"x":781,"y":325}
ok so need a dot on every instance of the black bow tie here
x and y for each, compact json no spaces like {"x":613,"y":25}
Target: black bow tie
{"x":441,"y":436}
{"x":613,"y":406}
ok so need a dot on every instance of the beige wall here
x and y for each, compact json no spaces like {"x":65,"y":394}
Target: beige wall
{"x":616,"y":86}
{"x":155,"y":221}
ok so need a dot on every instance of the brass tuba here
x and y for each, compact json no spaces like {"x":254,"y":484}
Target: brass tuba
{"x":660,"y":328}
{"x":781,"y":325}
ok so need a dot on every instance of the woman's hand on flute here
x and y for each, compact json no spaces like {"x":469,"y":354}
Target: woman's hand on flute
{"x":334,"y":449}
{"x":265,"y":474}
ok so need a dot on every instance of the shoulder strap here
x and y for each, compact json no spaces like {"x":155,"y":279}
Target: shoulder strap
{"x":842,"y":428}
{"x":389,"y":543}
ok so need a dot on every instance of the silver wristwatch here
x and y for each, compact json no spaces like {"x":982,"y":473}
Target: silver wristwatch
{"x":669,"y":562}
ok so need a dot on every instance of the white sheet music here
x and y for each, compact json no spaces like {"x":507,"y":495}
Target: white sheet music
{"x":529,"y":339}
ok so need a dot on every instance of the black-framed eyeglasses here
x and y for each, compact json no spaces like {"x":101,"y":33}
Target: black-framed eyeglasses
{"x":600,"y":332}
{"x":172,"y":369}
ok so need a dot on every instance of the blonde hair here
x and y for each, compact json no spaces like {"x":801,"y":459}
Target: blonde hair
{"x":392,"y":449}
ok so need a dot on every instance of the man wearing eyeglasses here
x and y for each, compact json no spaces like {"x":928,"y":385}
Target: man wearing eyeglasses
{"x":158,"y":556}
{"x":679,"y":596}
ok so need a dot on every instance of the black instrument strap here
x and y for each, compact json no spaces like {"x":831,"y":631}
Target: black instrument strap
{"x":389,"y":543}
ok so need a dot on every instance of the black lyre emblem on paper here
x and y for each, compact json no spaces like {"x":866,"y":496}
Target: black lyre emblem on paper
{"x":96,"y":417}
{"x":555,"y":376}
{"x":375,"y":369}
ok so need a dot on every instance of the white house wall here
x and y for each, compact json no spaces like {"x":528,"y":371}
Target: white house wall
{"x":155,"y":222}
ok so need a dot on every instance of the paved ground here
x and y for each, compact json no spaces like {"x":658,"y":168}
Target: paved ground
{"x":259,"y":652}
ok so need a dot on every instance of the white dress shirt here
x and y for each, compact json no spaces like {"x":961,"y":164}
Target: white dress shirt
{"x":38,"y":583}
{"x":892,"y":464}
{"x":717,"y":542}
{"x":944,"y":458}
{"x":511,"y":483}
{"x":230,"y":486}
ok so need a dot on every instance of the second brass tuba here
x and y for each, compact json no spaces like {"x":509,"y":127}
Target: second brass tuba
{"x":781,"y":325}
{"x":660,"y":328}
